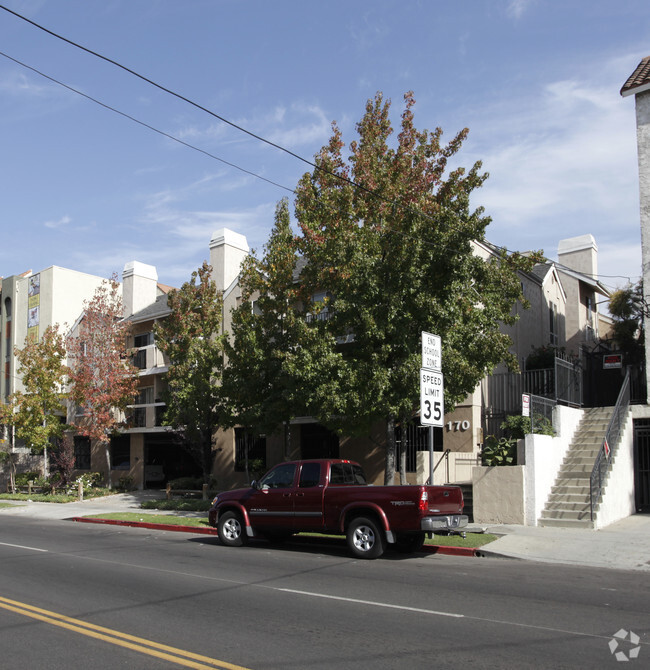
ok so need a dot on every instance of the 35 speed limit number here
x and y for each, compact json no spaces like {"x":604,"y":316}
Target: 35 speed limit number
{"x":432,"y":406}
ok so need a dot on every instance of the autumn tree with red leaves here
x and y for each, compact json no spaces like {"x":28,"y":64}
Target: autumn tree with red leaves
{"x":103,"y":381}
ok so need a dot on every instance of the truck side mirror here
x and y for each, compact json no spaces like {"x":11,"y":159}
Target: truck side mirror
{"x":254,"y":484}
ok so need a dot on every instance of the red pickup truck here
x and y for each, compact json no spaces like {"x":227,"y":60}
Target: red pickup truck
{"x":332,"y":496}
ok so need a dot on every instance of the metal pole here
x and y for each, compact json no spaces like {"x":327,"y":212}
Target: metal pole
{"x":431,"y":455}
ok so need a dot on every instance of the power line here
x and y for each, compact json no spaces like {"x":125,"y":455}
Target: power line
{"x":146,"y":125}
{"x":230,"y":123}
{"x":191,"y":102}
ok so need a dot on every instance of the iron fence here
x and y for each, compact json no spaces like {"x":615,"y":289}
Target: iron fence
{"x":609,"y":445}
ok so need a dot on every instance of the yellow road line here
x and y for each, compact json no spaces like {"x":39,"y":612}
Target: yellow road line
{"x":187,"y":659}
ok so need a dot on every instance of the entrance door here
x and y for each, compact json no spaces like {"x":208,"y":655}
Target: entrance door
{"x":642,"y":464}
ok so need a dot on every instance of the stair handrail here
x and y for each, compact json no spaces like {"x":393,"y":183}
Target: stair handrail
{"x":609,"y":443}
{"x":445,"y":455}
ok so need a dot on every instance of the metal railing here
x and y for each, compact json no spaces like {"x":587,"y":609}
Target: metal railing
{"x":443,"y":457}
{"x":610,"y":442}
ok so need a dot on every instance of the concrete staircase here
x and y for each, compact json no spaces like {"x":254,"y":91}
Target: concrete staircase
{"x":568,"y":505}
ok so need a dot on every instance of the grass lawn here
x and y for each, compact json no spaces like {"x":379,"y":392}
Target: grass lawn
{"x":472,"y":540}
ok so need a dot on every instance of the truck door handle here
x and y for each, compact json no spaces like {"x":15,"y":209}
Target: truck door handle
{"x":300,"y":495}
{"x":286,"y":495}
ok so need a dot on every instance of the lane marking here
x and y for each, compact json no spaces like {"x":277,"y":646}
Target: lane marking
{"x":187,"y":659}
{"x":20,"y":546}
{"x":370,"y":602}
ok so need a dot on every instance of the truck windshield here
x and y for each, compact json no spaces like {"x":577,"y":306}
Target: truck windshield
{"x":346,"y":473}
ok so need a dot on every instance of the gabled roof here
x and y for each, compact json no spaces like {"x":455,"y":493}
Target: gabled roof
{"x":639,"y":80}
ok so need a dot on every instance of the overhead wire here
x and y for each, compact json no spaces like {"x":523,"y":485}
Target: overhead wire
{"x":236,"y":126}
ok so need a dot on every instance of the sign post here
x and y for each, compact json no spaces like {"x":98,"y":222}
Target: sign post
{"x":432,"y":395}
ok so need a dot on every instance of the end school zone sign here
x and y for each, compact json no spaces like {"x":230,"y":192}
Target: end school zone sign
{"x":431,"y":398}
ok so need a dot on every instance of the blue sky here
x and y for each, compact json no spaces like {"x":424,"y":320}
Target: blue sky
{"x":536,"y":81}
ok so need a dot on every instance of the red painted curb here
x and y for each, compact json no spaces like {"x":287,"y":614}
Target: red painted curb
{"x":451,"y":551}
{"x":427,"y":548}
{"x":151,"y":526}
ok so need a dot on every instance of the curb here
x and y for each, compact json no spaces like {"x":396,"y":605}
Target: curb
{"x":427,"y":548}
{"x":152,"y":526}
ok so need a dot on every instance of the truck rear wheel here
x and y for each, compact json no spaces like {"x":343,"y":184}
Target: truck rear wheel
{"x":365,"y":538}
{"x":231,"y":529}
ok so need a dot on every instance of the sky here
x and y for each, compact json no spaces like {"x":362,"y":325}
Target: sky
{"x":90,"y":188}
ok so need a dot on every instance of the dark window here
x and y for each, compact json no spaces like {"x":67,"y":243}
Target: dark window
{"x":143,"y":340}
{"x":281,"y":477}
{"x":309,"y":475}
{"x":139,"y":417}
{"x":552,"y":313}
{"x":120,"y":452}
{"x":347,"y":474}
{"x":81,"y":452}
{"x":140,"y":359}
{"x":160,"y":414}
{"x":247,"y":444}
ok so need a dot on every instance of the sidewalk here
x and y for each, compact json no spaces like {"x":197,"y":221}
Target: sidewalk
{"x":624,"y":545}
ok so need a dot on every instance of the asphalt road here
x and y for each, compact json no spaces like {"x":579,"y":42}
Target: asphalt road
{"x":81,"y":595}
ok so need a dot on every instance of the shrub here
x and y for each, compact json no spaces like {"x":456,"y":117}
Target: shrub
{"x":517,"y":426}
{"x":23,"y":478}
{"x":125,"y":483}
{"x":501,"y":451}
{"x":191,"y":483}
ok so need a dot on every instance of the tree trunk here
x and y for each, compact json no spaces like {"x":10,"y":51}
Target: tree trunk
{"x":107,"y":447}
{"x":389,"y":474}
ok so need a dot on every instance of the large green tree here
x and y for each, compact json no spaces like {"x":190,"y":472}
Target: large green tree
{"x":389,"y":235}
{"x":37,"y":411}
{"x":270,"y":339}
{"x":191,"y":338}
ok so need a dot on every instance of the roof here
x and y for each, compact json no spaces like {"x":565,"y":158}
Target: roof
{"x":639,"y":80}
{"x":155,"y":310}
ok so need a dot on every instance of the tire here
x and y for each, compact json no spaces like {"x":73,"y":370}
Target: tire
{"x":365,"y":538}
{"x":409,"y":543}
{"x":230,"y":528}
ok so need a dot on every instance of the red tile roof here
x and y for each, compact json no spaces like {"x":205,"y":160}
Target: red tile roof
{"x":640,"y":77}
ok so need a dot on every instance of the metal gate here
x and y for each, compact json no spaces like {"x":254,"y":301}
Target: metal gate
{"x":642,"y":464}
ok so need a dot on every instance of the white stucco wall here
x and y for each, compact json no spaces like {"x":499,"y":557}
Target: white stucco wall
{"x":543,"y":455}
{"x":499,"y":494}
{"x":643,"y":149}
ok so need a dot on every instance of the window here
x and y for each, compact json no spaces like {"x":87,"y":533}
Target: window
{"x":143,"y":340}
{"x":81,"y":452}
{"x":140,"y":359}
{"x":309,"y":475}
{"x":346,"y":473}
{"x":552,"y":313}
{"x":120,"y":452}
{"x":139,"y":417}
{"x":281,"y":477}
{"x":247,"y":444}
{"x":145,"y":396}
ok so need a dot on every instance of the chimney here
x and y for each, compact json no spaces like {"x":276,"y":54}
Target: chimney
{"x":227,"y":251}
{"x":579,"y":254}
{"x":140,"y":287}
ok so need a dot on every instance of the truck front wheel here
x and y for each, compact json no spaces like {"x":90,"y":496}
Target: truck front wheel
{"x":365,"y":538}
{"x":231,"y":529}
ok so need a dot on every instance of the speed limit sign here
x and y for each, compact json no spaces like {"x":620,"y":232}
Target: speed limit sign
{"x":432,"y":398}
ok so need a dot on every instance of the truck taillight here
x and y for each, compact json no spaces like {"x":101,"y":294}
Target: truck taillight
{"x":424,"y":501}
